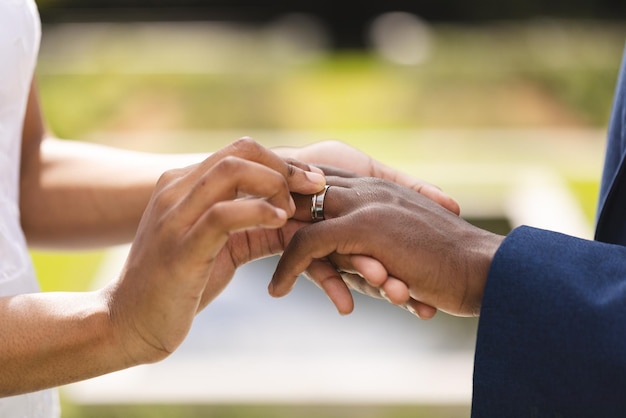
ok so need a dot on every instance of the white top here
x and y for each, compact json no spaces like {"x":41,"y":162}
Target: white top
{"x":20,"y":33}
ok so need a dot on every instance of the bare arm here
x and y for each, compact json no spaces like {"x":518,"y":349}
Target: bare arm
{"x":75,"y":194}
{"x":51,"y":339}
{"x":177,"y":264}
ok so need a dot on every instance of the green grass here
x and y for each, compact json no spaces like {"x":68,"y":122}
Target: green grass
{"x":587,"y":194}
{"x":66,"y":271}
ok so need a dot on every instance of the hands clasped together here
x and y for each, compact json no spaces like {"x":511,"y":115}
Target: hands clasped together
{"x":390,"y":236}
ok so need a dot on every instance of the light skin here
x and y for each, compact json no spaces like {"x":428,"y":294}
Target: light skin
{"x":191,"y":228}
{"x":442,"y":259}
{"x":144,"y":314}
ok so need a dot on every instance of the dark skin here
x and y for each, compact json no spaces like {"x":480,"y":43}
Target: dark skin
{"x":442,"y":259}
{"x":338,"y":273}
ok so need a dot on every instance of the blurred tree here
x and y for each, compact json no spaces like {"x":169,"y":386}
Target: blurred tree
{"x":347,"y":23}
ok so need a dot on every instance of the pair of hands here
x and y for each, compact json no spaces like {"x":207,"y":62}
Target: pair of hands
{"x":206,"y":220}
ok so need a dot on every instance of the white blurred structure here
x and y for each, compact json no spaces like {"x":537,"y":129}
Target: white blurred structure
{"x":401,"y":38}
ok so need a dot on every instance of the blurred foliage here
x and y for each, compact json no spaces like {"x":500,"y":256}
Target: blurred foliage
{"x":539,"y":74}
{"x":67,"y":271}
{"x":346,"y":14}
{"x":588,"y":92}
{"x":587,"y":193}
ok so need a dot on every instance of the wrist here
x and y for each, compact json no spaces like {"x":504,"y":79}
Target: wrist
{"x":125,"y":347}
{"x":482,"y":255}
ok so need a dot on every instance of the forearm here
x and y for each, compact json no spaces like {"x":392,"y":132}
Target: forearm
{"x":84,"y":195}
{"x":56,"y":338}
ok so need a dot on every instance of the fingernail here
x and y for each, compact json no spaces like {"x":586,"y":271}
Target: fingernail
{"x":316,"y":178}
{"x":384,"y":294}
{"x":413,"y":311}
{"x":281,"y":212}
{"x":316,"y":169}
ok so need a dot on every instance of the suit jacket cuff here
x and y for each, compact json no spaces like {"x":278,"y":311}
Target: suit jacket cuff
{"x":552,"y":332}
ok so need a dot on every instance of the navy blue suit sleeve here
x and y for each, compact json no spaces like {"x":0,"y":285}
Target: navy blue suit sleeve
{"x":552,"y":331}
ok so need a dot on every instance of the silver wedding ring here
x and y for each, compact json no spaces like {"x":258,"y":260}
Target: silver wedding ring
{"x":317,"y":205}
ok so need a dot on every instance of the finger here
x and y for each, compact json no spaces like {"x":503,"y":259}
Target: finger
{"x":304,"y":166}
{"x":420,"y":309}
{"x":415,"y":307}
{"x":358,"y":283}
{"x":337,"y":172}
{"x":230,"y":177}
{"x":429,"y":190}
{"x":395,"y":291}
{"x":308,"y":243}
{"x":326,"y":277}
{"x":370,"y":269}
{"x":341,"y":196}
{"x":437,"y":195}
{"x":303,"y":206}
{"x":303,"y":203}
{"x":290,"y":150}
{"x":211,"y":231}
{"x":298,"y":179}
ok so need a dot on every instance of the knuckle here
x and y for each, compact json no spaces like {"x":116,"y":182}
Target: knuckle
{"x":293,"y":164}
{"x":264,"y":212}
{"x":372,"y":214}
{"x":228,"y":165}
{"x":168,"y":177}
{"x":164,"y":198}
{"x":377,"y":183}
{"x":218,"y":214}
{"x":277,"y":182}
{"x":246,"y":146}
{"x":300,"y":238}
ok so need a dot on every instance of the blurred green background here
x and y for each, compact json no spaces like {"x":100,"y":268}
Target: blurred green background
{"x":535,"y":74}
{"x":195,"y":86}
